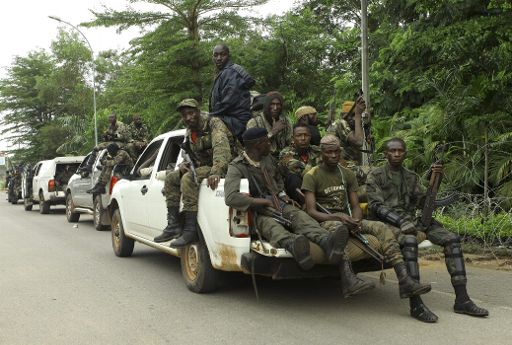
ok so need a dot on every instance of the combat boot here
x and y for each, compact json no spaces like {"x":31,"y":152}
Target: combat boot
{"x":299,"y":248}
{"x":173,"y":228}
{"x":351,"y":284}
{"x":189,"y":234}
{"x":98,"y":188}
{"x":408,"y":286}
{"x":334,"y":244}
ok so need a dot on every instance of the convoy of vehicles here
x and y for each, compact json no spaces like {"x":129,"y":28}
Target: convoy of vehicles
{"x":135,"y":209}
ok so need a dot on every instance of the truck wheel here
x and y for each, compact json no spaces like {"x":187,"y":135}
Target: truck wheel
{"x":71,"y":216}
{"x":27,"y":203}
{"x":97,"y":213}
{"x":196,"y":268}
{"x":44,"y":206}
{"x":122,"y":245}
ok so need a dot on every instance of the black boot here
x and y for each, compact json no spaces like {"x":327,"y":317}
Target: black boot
{"x":189,"y":234}
{"x":470,"y":308}
{"x":408,"y":286}
{"x":350,"y":283}
{"x":299,"y":248}
{"x":420,"y":311}
{"x":173,"y":228}
{"x":98,"y":188}
{"x":334,"y":244}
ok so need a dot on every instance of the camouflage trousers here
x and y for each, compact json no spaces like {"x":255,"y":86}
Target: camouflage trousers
{"x":453,"y":255}
{"x":386,"y":238}
{"x":302,"y":224}
{"x":176,"y":186}
{"x":106,"y":171}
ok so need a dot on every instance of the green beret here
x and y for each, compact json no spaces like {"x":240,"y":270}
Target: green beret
{"x":189,"y":102}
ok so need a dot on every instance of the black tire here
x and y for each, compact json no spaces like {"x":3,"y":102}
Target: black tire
{"x":122,"y":245}
{"x":97,"y":213}
{"x":197,"y":269}
{"x":44,"y":206}
{"x":71,"y":216}
{"x":27,"y":203}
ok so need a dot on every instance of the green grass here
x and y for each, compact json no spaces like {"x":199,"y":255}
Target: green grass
{"x":490,"y":228}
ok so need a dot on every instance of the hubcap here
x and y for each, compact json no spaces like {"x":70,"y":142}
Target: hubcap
{"x":192,"y":262}
{"x":68,"y":208}
{"x":97,"y":213}
{"x":116,"y":233}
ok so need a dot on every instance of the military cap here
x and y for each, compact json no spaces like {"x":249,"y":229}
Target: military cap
{"x":254,"y":133}
{"x":347,"y":105}
{"x":188,"y":102}
{"x":304,"y":110}
{"x":329,"y":140}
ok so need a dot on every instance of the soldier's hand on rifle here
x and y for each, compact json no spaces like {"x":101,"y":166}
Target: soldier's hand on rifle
{"x":184,"y":168}
{"x":277,"y":127}
{"x":437,"y":168}
{"x":213,"y":181}
{"x":352,"y":223}
{"x":408,"y":228}
{"x":360,"y":106}
{"x":262,"y":202}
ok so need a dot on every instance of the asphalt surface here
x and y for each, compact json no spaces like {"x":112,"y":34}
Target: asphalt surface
{"x":61,"y":284}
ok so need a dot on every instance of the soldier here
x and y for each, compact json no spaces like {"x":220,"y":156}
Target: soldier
{"x":307,"y":115}
{"x":271,"y":205}
{"x":275,"y":122}
{"x":335,"y":188}
{"x":230,"y":99}
{"x":394,"y":194}
{"x":117,"y":132}
{"x":115,"y":156}
{"x":210,"y":145}
{"x":297,"y":159}
{"x":139,"y":137}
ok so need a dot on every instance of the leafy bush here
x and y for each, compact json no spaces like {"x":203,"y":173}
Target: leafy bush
{"x":492,"y":228}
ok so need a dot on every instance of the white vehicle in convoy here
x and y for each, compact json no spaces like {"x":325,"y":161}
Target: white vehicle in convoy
{"x":47,"y":183}
{"x":78,"y":201}
{"x":227,"y":242}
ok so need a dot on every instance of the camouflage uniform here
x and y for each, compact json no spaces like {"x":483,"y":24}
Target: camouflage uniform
{"x":139,"y":140}
{"x":271,"y":230}
{"x":214,"y":148}
{"x":291,"y":161}
{"x":279,"y":141}
{"x":121,"y":158}
{"x":404,"y":199}
{"x":331,"y":189}
{"x":119,"y":134}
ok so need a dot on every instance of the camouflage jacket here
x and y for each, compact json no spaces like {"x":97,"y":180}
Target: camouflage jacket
{"x":241,"y":168}
{"x":122,"y":157}
{"x":140,"y":134}
{"x":214,"y":145}
{"x":292,"y":162}
{"x":119,"y":132}
{"x":342,"y":130}
{"x":279,"y":141}
{"x":404,"y":199}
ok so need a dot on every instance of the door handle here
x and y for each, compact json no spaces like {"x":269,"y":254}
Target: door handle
{"x":144,"y":190}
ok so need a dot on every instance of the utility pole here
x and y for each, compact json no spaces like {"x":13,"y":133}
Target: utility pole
{"x":364,"y":71}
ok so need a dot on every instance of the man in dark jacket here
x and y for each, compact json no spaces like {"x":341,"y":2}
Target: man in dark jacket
{"x":230,"y":99}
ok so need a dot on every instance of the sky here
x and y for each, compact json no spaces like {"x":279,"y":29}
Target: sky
{"x":25,"y":26}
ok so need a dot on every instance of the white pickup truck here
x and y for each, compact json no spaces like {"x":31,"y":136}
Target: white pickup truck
{"x":47,"y":183}
{"x":138,"y":213}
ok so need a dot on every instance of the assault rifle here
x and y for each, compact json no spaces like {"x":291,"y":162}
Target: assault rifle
{"x":430,"y":198}
{"x":187,"y":157}
{"x":361,"y":241}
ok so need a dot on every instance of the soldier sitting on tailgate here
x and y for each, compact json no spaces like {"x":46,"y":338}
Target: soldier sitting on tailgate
{"x":394,"y":195}
{"x":334,"y":187}
{"x":272,"y":207}
{"x":211,"y":146}
{"x":115,"y":156}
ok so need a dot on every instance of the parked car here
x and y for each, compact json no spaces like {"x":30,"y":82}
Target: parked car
{"x":78,"y":201}
{"x":138,"y":212}
{"x":48,"y":184}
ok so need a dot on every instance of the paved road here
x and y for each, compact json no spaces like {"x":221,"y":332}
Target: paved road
{"x":63,"y":285}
